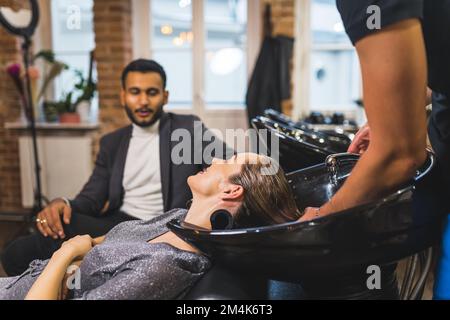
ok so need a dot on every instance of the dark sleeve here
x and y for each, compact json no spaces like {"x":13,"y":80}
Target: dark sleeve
{"x":160,"y":278}
{"x":93,"y":196}
{"x":355,"y":16}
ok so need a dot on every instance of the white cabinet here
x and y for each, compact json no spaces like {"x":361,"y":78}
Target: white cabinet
{"x":65,"y":156}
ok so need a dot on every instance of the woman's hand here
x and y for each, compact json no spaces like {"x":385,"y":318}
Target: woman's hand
{"x":361,"y":141}
{"x":48,"y":285}
{"x":78,"y":246}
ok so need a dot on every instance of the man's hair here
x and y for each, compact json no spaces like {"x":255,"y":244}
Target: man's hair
{"x":144,"y":66}
{"x":268,"y":199}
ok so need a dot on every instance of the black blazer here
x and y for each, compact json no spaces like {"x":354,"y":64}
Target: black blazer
{"x":105,"y":184}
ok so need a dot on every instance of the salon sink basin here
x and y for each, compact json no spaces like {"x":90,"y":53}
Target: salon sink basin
{"x":378,"y":233}
{"x":339,"y":134}
{"x":299,"y":146}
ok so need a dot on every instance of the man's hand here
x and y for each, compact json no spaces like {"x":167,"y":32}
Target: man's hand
{"x":361,"y":141}
{"x":49,"y":222}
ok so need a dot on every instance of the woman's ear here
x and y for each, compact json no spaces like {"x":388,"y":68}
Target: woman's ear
{"x":232,"y":192}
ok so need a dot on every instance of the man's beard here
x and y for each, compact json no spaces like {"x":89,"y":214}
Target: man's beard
{"x":144,"y":124}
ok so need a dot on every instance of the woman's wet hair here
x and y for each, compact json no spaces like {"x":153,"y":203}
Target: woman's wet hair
{"x":268,"y":198}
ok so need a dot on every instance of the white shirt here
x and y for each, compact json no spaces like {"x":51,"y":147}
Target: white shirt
{"x":143,"y":197}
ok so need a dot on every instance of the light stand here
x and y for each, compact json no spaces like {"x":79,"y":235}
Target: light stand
{"x":26,"y":33}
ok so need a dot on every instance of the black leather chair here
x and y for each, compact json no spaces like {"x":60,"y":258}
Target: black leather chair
{"x":328,"y":257}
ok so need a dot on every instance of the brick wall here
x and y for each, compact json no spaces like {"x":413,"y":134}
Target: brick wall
{"x":113,"y":38}
{"x":283,"y":20}
{"x":10,"y":195}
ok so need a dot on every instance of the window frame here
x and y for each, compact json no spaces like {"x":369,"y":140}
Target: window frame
{"x":43,"y":39}
{"x":302,"y":63}
{"x":142,"y":49}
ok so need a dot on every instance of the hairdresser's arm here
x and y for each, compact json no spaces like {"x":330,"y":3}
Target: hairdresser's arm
{"x":394,"y":73}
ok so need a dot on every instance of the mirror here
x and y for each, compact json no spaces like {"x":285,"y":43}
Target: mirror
{"x":22,"y":18}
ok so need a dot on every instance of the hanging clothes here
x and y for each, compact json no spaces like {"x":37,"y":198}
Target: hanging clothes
{"x":270,"y":83}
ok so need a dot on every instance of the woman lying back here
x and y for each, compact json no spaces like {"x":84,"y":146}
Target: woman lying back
{"x":142,"y":259}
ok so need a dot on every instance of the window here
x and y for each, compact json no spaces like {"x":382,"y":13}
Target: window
{"x":332,"y":70}
{"x":171,"y":40}
{"x":204,"y":47}
{"x":334,"y":63}
{"x":72,"y":41}
{"x":225,"y":53}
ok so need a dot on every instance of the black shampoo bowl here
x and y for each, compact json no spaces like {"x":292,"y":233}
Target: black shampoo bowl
{"x":299,"y":147}
{"x":338,"y":136}
{"x":334,"y":250}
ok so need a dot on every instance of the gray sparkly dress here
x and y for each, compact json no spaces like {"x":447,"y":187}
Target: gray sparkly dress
{"x":125,"y":266}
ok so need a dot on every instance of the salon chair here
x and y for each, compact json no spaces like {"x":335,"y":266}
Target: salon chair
{"x":298,"y":148}
{"x":327,"y":257}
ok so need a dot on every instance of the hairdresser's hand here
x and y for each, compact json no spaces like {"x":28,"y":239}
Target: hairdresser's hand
{"x":49,"y":222}
{"x":310,"y":214}
{"x":361,"y":141}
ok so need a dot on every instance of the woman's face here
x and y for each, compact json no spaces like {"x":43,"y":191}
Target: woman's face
{"x":215,"y":179}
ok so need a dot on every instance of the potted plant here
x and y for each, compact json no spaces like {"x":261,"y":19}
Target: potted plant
{"x":87,"y":89}
{"x":51,"y":69}
{"x":67,"y":110}
{"x":51,"y":111}
{"x":56,"y":68}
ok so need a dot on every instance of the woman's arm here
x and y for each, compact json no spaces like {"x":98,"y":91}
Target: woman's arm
{"x":48,"y":285}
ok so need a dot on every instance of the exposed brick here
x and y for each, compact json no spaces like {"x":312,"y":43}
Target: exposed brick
{"x":283,"y":22}
{"x":113,"y":36}
{"x":10,"y":197}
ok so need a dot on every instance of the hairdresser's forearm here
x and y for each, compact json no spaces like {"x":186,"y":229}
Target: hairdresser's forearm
{"x":375,"y":175}
{"x":393,"y":65}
